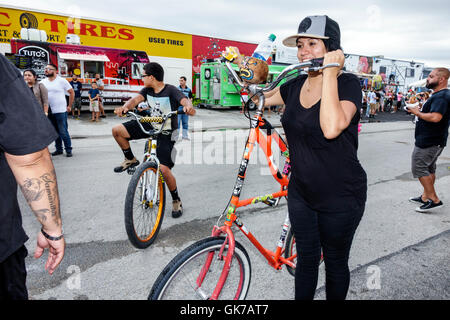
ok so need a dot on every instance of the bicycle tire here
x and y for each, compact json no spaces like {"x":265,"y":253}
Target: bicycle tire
{"x":142,"y":224}
{"x":289,"y":252}
{"x":178,"y":282}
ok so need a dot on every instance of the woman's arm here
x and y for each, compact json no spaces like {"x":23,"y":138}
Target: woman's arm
{"x":335,"y":115}
{"x":44,"y":97}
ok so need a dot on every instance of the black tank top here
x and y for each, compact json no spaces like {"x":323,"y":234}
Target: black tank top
{"x":326,"y":172}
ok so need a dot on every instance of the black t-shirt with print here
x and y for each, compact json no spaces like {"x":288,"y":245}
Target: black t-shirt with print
{"x":24,"y":129}
{"x":427,"y":133}
{"x":326,"y":172}
{"x":163,"y":102}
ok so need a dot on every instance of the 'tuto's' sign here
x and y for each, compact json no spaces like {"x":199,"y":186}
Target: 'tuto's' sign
{"x":35,"y":52}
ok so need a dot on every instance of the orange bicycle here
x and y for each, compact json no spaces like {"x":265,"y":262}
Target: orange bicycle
{"x":219,"y":266}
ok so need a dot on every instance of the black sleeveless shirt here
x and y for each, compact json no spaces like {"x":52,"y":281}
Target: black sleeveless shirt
{"x":326,"y":172}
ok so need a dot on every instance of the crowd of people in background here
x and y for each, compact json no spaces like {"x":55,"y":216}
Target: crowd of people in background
{"x":389,"y":100}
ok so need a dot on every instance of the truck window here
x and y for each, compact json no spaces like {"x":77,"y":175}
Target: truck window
{"x":71,"y":67}
{"x":137,"y":69}
{"x":93,"y":67}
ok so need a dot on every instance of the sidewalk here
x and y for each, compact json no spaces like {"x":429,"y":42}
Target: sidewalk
{"x":417,"y":272}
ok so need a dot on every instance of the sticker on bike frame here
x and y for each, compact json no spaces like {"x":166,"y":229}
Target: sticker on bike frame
{"x":231,"y":211}
{"x":243,"y":167}
{"x":238,"y":186}
{"x":287,"y":168}
{"x":262,"y":198}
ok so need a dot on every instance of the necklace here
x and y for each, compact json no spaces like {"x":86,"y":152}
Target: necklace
{"x":308,"y":85}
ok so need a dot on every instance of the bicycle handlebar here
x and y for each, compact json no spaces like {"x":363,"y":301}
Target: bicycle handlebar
{"x":311,"y":65}
{"x":148,"y":119}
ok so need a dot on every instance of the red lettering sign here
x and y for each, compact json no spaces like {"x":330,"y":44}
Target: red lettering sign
{"x":6,"y":15}
{"x":105,"y":31}
{"x":70,"y":26}
{"x":85,"y":27}
{"x":126,"y":34}
{"x":54,"y":24}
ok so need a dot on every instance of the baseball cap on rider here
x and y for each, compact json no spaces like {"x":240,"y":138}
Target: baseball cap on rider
{"x":320,"y":27}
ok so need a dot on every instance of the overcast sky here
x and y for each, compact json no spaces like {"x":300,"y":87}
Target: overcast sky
{"x":398,"y":29}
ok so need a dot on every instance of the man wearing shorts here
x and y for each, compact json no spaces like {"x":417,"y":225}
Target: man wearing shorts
{"x":372,"y":97}
{"x":94,"y":96}
{"x":161,"y":98}
{"x":431,"y":137}
{"x":77,"y":89}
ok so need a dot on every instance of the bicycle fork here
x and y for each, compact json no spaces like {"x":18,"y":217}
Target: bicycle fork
{"x":150,"y":187}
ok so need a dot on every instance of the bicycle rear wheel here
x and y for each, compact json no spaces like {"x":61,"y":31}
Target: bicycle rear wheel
{"x":194,"y":273}
{"x":143,"y":216}
{"x":291,"y":249}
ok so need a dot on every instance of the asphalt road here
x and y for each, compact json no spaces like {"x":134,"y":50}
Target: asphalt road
{"x":397,"y":253}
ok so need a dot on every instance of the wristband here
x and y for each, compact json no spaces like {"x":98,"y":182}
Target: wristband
{"x":50,"y":237}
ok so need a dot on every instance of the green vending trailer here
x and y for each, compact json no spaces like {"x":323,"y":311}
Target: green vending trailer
{"x":217,"y":89}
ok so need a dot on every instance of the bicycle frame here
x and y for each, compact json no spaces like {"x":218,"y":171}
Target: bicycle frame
{"x":275,"y":259}
{"x":265,"y":142}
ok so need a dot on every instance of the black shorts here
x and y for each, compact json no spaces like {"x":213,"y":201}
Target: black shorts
{"x":165,"y":150}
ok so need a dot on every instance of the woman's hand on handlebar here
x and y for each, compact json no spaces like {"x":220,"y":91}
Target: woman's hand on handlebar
{"x":336,"y":56}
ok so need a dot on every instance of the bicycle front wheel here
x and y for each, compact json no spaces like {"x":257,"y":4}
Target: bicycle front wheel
{"x":143,"y":212}
{"x":194,"y":273}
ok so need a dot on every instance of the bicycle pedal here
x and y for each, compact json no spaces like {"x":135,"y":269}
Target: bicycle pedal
{"x":272,"y":202}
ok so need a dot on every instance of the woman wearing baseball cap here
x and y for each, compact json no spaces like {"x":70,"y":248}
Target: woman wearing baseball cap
{"x":328,"y":186}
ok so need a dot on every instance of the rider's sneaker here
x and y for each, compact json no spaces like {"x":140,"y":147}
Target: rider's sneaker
{"x":417,"y":200}
{"x":429,"y":206}
{"x":126,"y":164}
{"x":177,"y":209}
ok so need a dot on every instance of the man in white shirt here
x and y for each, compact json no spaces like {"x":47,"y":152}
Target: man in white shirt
{"x":372,"y":97}
{"x":58,"y":108}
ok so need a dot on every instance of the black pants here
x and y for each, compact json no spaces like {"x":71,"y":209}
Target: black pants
{"x":333,"y":231}
{"x":13,"y":276}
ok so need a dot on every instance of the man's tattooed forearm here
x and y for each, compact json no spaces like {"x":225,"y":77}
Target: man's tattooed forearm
{"x":41,"y":214}
{"x":34,"y":189}
{"x":52,"y":193}
{"x":31,"y":189}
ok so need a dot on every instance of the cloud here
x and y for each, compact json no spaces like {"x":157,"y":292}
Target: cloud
{"x":395,"y":29}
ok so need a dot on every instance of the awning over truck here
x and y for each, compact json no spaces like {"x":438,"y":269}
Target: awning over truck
{"x":84,"y":56}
